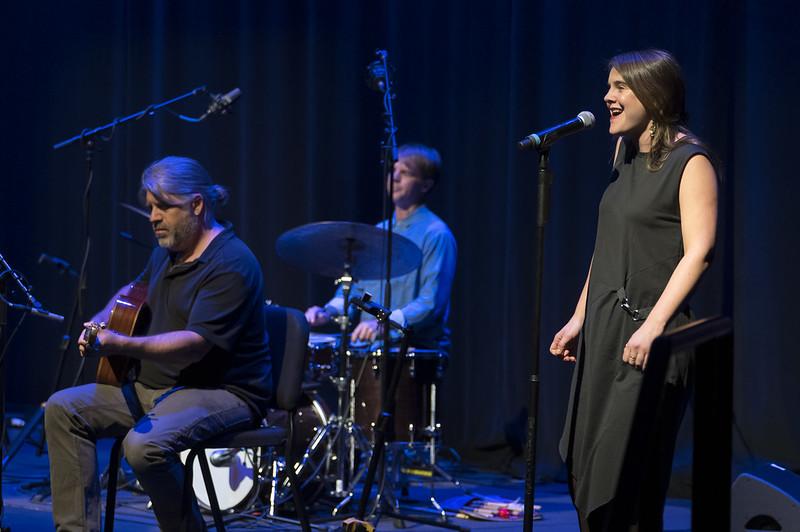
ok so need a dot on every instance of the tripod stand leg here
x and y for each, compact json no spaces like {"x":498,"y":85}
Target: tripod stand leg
{"x":439,"y":508}
{"x":23,"y":436}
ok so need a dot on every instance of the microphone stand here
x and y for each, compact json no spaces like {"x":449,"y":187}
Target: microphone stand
{"x":543,"y":211}
{"x":384,"y":422}
{"x":35,"y":308}
{"x":388,"y":158}
{"x":150,"y":110}
{"x":3,"y":324}
{"x":88,"y":139}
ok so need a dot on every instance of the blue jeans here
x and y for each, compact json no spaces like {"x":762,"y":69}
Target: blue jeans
{"x":175,"y":419}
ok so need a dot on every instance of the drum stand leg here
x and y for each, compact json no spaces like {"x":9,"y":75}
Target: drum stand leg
{"x":427,"y":453}
{"x":345,"y":407}
{"x":433,"y":432}
{"x":357,"y":440}
{"x":274,"y":486}
{"x":348,"y":442}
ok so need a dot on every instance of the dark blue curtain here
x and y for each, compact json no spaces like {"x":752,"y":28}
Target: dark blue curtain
{"x":471,"y":78}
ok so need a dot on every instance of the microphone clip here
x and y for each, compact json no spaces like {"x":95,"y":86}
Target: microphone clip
{"x":379,"y":312}
{"x":221,"y":103}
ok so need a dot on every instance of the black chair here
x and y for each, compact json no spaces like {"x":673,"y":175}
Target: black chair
{"x":288,"y":337}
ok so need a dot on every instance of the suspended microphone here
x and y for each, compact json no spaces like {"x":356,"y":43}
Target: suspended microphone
{"x":60,"y":264}
{"x":543,"y":139}
{"x":220,"y":103}
{"x":376,"y":72}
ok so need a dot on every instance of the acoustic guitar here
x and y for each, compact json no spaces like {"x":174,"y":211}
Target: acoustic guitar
{"x":129,"y":316}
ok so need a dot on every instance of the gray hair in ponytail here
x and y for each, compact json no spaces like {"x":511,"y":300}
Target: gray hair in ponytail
{"x":182,"y":177}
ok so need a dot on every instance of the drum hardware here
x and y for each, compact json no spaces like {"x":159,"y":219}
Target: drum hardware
{"x":330,"y":248}
{"x":244,"y":476}
{"x":419,"y":458}
{"x":416,"y":456}
{"x":314,"y":426}
{"x":276,"y":469}
{"x":345,"y":250}
{"x":322,"y":358}
{"x":422,"y":369}
{"x":382,"y":426}
{"x":342,"y":426}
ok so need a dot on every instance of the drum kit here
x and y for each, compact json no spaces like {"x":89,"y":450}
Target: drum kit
{"x":335,"y":446}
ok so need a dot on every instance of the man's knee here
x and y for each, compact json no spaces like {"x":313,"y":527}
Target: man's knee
{"x":57,"y":410}
{"x":143,"y":453}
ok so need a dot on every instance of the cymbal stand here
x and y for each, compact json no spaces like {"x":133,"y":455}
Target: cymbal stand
{"x":344,"y":427}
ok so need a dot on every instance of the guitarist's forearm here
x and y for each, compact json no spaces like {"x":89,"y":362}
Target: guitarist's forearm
{"x":178,"y":346}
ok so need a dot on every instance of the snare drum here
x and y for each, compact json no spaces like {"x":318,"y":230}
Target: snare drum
{"x":416,"y":392}
{"x":322,"y":350}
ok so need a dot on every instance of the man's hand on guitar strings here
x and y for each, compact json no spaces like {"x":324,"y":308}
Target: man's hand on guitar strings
{"x":89,"y":342}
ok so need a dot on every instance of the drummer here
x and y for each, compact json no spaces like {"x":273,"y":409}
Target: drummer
{"x":421,"y":298}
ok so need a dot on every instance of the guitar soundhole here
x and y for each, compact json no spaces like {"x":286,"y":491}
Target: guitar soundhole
{"x":142,"y":322}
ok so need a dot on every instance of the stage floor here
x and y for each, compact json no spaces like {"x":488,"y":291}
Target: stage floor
{"x":27,"y":508}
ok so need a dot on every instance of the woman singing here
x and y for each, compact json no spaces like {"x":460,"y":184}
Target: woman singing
{"x":655,"y":236}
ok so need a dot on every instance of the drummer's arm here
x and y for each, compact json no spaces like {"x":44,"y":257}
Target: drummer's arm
{"x":436,"y":281}
{"x":318,"y":316}
{"x":335,"y":307}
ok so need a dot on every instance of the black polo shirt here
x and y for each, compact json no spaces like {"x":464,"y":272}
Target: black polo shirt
{"x":220,"y":297}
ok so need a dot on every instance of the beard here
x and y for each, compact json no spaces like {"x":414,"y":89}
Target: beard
{"x":180,"y":238}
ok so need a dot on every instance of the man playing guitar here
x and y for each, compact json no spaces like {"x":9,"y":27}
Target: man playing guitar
{"x":204,"y":360}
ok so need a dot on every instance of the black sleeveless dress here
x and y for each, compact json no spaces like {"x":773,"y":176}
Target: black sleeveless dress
{"x":638,"y":245}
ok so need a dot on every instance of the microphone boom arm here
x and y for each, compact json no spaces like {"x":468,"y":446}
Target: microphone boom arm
{"x":149,"y":110}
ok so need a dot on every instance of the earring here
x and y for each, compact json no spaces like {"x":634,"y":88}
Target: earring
{"x":652,"y":129}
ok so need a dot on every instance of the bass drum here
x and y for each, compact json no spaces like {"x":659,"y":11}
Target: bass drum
{"x":233,"y":474}
{"x":309,"y":451}
{"x":240,"y":475}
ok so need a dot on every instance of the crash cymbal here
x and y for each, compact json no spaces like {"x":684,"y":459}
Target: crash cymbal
{"x":325,"y":248}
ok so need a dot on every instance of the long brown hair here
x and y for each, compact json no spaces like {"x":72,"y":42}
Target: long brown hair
{"x":655,"y":78}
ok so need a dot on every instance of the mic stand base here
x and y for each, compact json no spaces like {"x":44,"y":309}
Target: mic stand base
{"x":22,"y":438}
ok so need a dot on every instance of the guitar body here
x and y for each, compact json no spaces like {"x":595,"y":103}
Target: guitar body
{"x":129,"y":316}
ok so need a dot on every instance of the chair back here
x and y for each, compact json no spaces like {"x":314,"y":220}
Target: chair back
{"x":288,"y":340}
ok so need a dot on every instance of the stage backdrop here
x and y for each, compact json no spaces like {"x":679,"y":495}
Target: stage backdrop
{"x":302,"y":146}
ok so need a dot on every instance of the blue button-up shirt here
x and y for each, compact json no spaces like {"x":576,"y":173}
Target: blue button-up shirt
{"x":421,"y":298}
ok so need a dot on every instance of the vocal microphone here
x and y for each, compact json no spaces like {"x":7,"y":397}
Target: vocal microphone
{"x":61,"y":265}
{"x":220,"y":103}
{"x":543,"y":139}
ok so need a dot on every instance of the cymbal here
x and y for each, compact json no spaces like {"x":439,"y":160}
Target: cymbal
{"x":323,"y":248}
